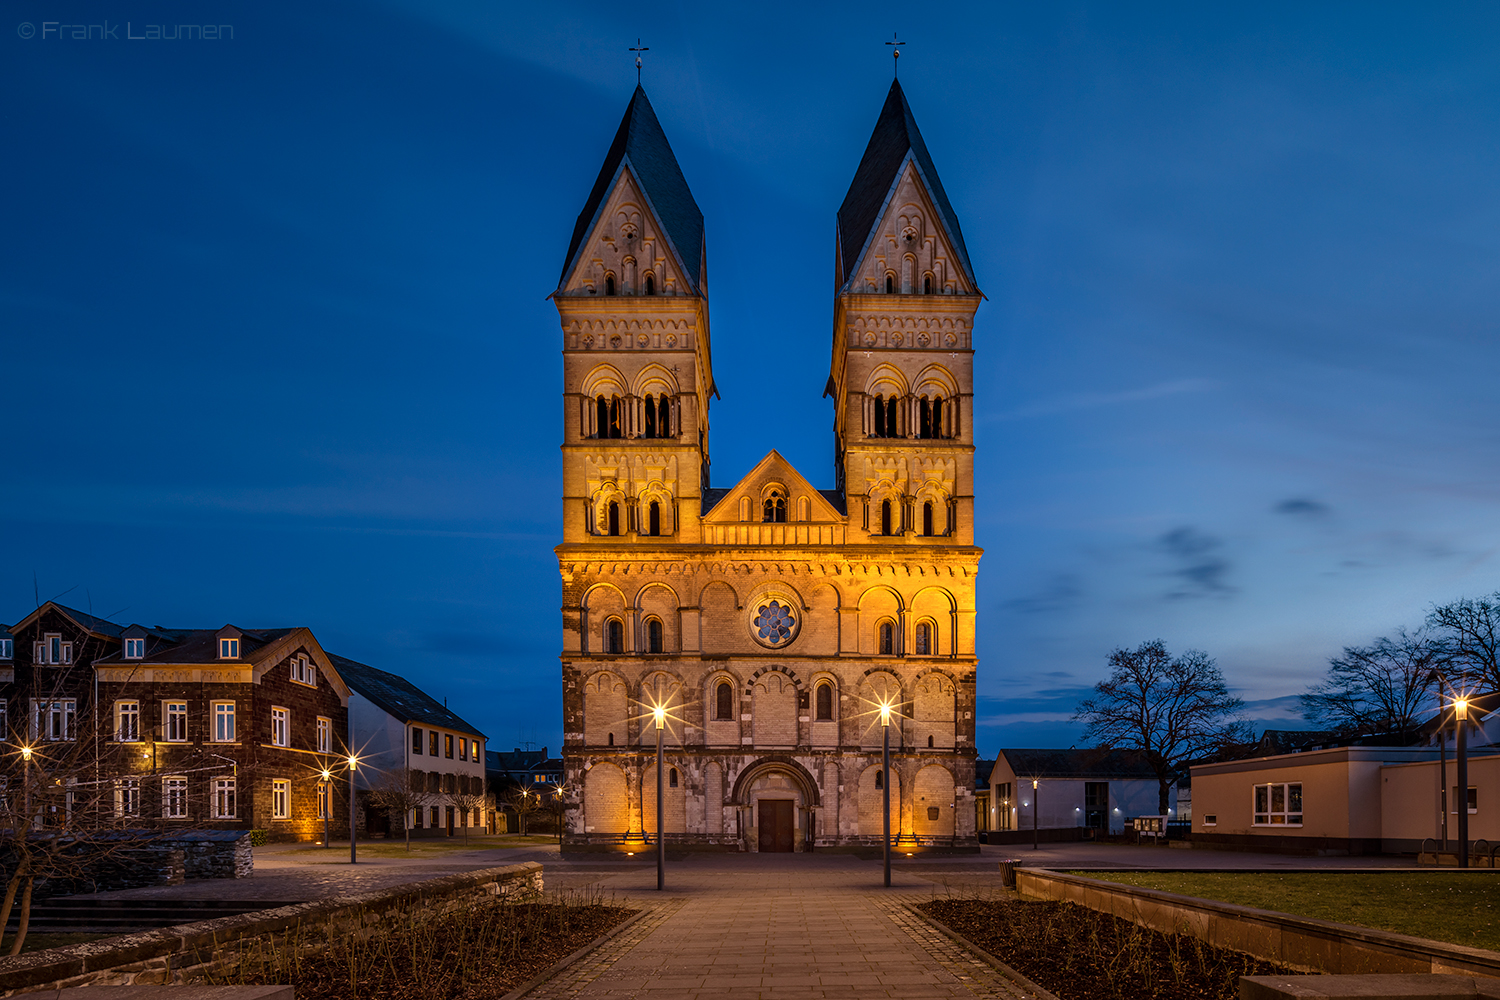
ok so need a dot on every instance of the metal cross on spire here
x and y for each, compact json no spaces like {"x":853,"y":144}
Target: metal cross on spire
{"x":895,"y":54}
{"x":638,"y":48}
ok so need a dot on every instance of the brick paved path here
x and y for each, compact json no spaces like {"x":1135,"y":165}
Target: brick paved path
{"x":777,"y":926}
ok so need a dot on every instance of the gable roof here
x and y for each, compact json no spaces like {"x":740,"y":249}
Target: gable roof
{"x":641,"y":145}
{"x":397,"y":696}
{"x":84,"y":620}
{"x":1087,"y":763}
{"x":895,"y":140}
{"x":197,"y":646}
{"x":795,"y":482}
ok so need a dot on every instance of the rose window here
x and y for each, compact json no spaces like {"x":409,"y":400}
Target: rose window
{"x":775,"y":624}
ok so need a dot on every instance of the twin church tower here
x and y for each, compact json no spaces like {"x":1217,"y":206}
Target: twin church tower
{"x":771,"y":618}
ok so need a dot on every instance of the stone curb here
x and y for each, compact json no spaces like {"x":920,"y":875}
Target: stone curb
{"x":970,"y":946}
{"x":557,"y":968}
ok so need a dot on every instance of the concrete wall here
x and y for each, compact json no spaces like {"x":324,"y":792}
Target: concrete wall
{"x":1409,"y":802}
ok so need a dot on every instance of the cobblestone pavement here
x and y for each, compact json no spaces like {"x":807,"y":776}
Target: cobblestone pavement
{"x":782,"y":926}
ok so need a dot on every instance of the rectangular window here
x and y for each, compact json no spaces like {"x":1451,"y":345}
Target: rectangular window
{"x":224,"y":722}
{"x":281,"y":727}
{"x":174,"y":728}
{"x":1278,"y":804}
{"x":127,"y":798}
{"x":174,"y":797}
{"x":223,"y":798}
{"x":416,"y":740}
{"x":448,"y":745}
{"x":325,"y":800}
{"x":53,"y":720}
{"x":281,"y":799}
{"x":135,"y":649}
{"x":304,"y":672}
{"x":127,"y":721}
{"x":1211,"y":820}
{"x":432,"y":742}
{"x":52,"y":650}
{"x":229,"y":649}
{"x":7,"y":649}
{"x":1473,"y":800}
{"x":325,"y":735}
{"x":463,"y":748}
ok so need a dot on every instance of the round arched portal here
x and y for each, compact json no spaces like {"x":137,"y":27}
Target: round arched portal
{"x":776,"y":799}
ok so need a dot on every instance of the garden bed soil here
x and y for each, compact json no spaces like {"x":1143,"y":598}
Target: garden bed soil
{"x":1081,"y":954}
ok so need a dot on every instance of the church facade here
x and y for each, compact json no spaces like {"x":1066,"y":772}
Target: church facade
{"x":770,"y":618}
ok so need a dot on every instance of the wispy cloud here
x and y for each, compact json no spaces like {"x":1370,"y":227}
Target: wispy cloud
{"x":1097,"y":400}
{"x":1201,"y":569}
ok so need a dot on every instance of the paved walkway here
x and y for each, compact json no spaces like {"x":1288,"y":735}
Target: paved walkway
{"x":776,"y":926}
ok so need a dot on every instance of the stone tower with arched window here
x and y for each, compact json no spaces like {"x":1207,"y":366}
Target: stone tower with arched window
{"x":770,"y":618}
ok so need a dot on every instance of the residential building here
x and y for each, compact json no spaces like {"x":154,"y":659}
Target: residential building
{"x":1083,"y":790}
{"x":534,"y":770}
{"x":395,"y":726}
{"x":770,"y":619}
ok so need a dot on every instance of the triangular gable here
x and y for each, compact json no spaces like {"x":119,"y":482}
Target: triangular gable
{"x":87,"y":622}
{"x":605,"y":246}
{"x":773,"y":469}
{"x":273,"y":653}
{"x":884,"y":249}
{"x":641,"y":146}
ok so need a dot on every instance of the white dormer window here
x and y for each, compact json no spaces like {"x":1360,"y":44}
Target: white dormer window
{"x":229,"y":649}
{"x":52,"y":650}
{"x":135,"y":649}
{"x":304,"y":672}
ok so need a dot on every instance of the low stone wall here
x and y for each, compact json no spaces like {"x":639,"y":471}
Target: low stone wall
{"x":190,"y":951}
{"x":1297,"y":942}
{"x":212,"y":853}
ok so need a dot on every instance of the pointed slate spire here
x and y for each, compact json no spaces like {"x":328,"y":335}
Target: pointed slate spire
{"x":895,"y":140}
{"x":641,"y":146}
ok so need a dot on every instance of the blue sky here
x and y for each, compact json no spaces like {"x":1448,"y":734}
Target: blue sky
{"x":278,"y":351}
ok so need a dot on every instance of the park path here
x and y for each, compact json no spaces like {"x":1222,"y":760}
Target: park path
{"x":788,"y":926}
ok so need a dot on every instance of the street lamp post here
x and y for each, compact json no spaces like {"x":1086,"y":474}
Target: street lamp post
{"x":1461,"y":723}
{"x":353,"y":858}
{"x":885,"y":786}
{"x":1034,"y":810}
{"x":661,"y":840}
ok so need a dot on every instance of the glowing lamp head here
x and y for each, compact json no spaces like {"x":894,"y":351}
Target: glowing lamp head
{"x":26,"y":753}
{"x":1460,"y":708}
{"x":885,"y":713}
{"x":1033,"y":784}
{"x":353,"y":762}
{"x":327,"y":774}
{"x":660,"y":714}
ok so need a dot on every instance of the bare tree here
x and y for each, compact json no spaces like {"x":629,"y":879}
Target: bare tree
{"x":1469,"y":633}
{"x":468,"y":799}
{"x":1171,"y":709}
{"x":524,"y":801}
{"x":1384,"y":687}
{"x":401,"y":792}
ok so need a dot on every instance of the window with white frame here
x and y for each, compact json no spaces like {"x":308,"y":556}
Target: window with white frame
{"x":223,"y":798}
{"x":174,"y":797}
{"x":304,"y":672}
{"x":224,"y":722}
{"x":135,"y":649}
{"x":325,"y":800}
{"x":281,"y":799}
{"x":54,"y":720}
{"x":229,"y":649}
{"x":7,"y":649}
{"x":281,"y":727}
{"x":325,"y":734}
{"x":174,"y":721}
{"x":52,"y":650}
{"x":127,"y":798}
{"x":127,"y":721}
{"x":1473,"y":800}
{"x":1278,"y":804}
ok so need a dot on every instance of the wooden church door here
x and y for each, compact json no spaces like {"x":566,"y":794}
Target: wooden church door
{"x":776,"y":825}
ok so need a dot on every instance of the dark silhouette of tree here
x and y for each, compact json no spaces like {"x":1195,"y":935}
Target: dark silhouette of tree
{"x":1172,"y":710}
{"x":1385,"y":687}
{"x":1469,"y":633}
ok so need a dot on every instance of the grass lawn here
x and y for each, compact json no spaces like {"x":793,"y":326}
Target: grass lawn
{"x":424,"y":848}
{"x":1443,"y":905}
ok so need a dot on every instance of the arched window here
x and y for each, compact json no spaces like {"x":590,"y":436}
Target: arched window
{"x":663,"y":416}
{"x":609,"y":284}
{"x":653,"y":635}
{"x":611,"y":739}
{"x":926,"y":284}
{"x":724,"y":702}
{"x":879,"y":780}
{"x":879,"y":416}
{"x":650,"y":409}
{"x":887,"y":639}
{"x":937,"y":416}
{"x":890,"y":284}
{"x":614,"y":636}
{"x":825,"y":702}
{"x":612,"y":521}
{"x":885,"y":517}
{"x":601,"y":417}
{"x":651,"y":290}
{"x":926,"y":518}
{"x":924,"y":419}
{"x":672,"y":774}
{"x":929,"y":746}
{"x":924,"y":639}
{"x":775,"y":508}
{"x":892,"y":429}
{"x":653,"y":519}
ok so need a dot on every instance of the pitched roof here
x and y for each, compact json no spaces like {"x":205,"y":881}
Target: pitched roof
{"x":196,"y":645}
{"x":1087,"y":763}
{"x":397,"y":696}
{"x":641,"y":145}
{"x":896,"y":137}
{"x":83,"y":619}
